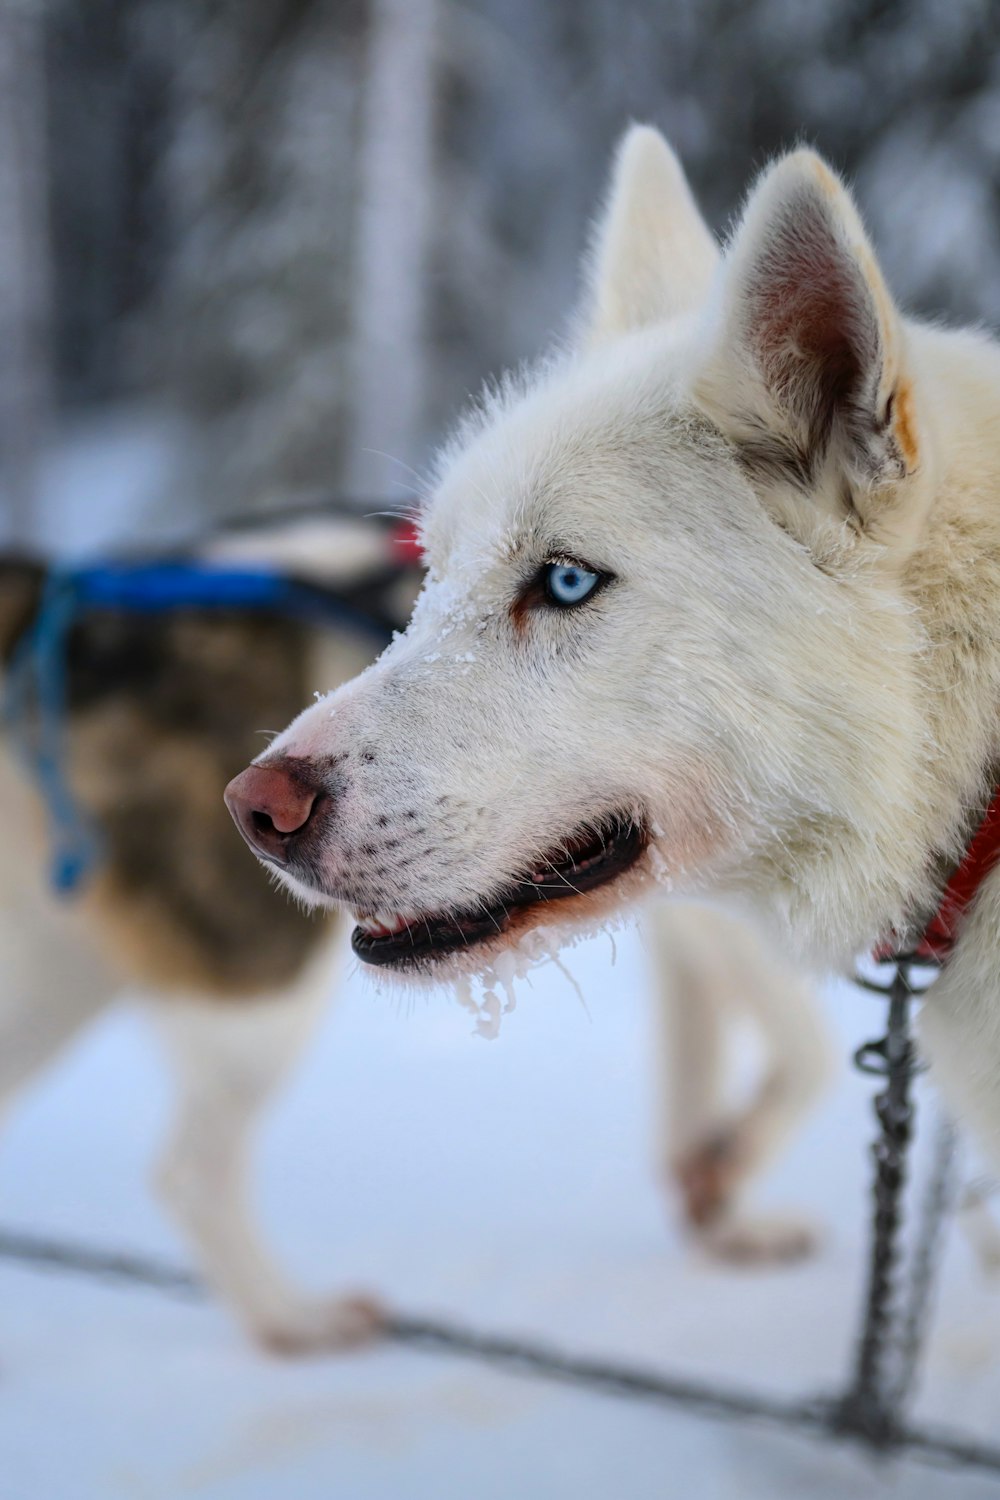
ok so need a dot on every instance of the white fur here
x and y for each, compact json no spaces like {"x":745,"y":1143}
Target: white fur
{"x":794,"y":677}
{"x":635,"y":239}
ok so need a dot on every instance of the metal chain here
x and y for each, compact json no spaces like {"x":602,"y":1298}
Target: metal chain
{"x":938,"y":1200}
{"x":41,"y":1253}
{"x":524,"y":1356}
{"x":872,"y":1405}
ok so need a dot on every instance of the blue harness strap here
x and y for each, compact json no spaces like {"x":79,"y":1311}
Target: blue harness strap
{"x":151,"y":588}
{"x":34,"y":704}
{"x":37,"y":677}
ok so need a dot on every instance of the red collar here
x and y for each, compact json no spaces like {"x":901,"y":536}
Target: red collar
{"x":406,"y":542}
{"x":982,"y":854}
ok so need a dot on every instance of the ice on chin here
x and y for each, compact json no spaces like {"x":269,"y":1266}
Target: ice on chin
{"x":481,"y":994}
{"x":544,"y":944}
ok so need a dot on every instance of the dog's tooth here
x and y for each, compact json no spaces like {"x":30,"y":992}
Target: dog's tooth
{"x":385,"y":924}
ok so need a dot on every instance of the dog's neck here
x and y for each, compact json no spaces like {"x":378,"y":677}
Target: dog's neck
{"x":952,"y":580}
{"x":836,"y":885}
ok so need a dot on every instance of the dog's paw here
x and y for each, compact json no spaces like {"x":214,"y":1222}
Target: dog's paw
{"x":321,"y":1326}
{"x":988,"y":1261}
{"x":983,"y":1235}
{"x":707,"y":1177}
{"x":764,"y":1241}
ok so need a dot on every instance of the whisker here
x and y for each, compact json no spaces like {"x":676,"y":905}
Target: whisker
{"x":405,"y":513}
{"x":381,"y":453}
{"x":565,"y":880}
{"x":488,"y":913}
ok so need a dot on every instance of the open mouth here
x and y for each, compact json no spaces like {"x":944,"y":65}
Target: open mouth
{"x":590,"y":858}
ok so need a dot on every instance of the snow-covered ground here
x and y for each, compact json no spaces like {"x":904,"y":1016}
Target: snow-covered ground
{"x":508,"y":1183}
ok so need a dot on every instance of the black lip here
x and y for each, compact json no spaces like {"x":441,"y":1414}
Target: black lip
{"x":598,"y":855}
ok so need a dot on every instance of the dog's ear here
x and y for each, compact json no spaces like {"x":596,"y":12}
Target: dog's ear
{"x":21,"y":582}
{"x":807,"y":364}
{"x":652,"y":254}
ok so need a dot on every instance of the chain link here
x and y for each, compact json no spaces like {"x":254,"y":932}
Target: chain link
{"x":893,"y":1319}
{"x":938,"y":1200}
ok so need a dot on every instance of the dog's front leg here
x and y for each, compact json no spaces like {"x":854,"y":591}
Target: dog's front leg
{"x":230,"y":1055}
{"x":712,"y":971}
{"x":52,"y":984}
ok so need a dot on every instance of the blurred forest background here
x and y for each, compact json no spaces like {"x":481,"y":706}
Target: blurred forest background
{"x":306,"y":229}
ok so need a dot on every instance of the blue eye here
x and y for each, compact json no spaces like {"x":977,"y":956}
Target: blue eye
{"x":570,"y":583}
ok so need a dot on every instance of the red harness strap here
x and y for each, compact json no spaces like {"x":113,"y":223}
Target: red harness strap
{"x":406,"y":543}
{"x":980,"y":857}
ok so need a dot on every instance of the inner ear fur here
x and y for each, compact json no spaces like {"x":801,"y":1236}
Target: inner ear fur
{"x":807,"y":362}
{"x":652,"y":256}
{"x":21,"y":580}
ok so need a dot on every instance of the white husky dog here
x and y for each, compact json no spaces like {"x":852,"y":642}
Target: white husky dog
{"x":713,"y":603}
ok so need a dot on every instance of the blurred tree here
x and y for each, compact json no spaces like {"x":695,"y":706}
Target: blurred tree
{"x":25,"y":285}
{"x":107,"y":100}
{"x":361,"y":207}
{"x":395,"y":197}
{"x":257,"y":303}
{"x":903,"y":95}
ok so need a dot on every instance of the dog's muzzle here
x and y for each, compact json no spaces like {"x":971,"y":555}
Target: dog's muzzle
{"x":274,"y":806}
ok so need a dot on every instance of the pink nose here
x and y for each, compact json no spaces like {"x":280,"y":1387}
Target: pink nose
{"x":271,"y":804}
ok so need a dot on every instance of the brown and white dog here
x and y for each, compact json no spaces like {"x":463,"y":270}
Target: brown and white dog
{"x":161,"y":711}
